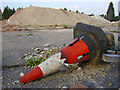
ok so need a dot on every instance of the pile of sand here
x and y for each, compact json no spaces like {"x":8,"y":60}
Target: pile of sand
{"x":46,"y":16}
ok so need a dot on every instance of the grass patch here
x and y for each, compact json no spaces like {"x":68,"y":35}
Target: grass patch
{"x":115,"y":31}
{"x":29,"y":34}
{"x":65,"y":26}
{"x":32,"y":62}
{"x":51,"y":25}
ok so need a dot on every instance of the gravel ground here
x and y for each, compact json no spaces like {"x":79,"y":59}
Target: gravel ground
{"x":101,"y":76}
{"x":16,"y":44}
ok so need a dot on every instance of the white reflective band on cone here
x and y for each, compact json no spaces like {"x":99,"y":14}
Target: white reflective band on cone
{"x":52,"y":64}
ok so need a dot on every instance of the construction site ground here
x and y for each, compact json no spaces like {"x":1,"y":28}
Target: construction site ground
{"x":16,"y":44}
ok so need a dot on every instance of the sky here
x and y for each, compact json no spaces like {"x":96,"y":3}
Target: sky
{"x":96,"y":7}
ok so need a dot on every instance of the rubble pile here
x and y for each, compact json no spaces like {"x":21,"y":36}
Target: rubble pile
{"x":40,"y":54}
{"x":6,"y":27}
{"x":11,"y":28}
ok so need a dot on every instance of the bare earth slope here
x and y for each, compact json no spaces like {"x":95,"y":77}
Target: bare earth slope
{"x":47,"y":16}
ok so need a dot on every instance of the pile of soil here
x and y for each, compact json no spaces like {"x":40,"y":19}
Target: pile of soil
{"x":39,"y":16}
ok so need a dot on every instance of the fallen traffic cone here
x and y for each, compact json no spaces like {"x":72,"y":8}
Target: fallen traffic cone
{"x":49,"y":66}
{"x":75,"y":52}
{"x":85,"y":46}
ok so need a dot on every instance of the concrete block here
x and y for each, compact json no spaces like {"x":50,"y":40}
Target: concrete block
{"x":111,"y":58}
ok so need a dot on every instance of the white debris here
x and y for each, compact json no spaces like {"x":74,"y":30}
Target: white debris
{"x":64,"y":87}
{"x":12,"y":70}
{"x":89,"y":77}
{"x":21,"y":74}
{"x":32,"y":48}
{"x":67,"y":65}
{"x":2,"y":78}
{"x":19,"y":58}
{"x":46,"y":45}
{"x":8,"y":84}
{"x":47,"y":49}
{"x":50,"y":50}
{"x":15,"y":82}
{"x":36,"y":49}
{"x":25,"y":54}
{"x":80,"y":69}
{"x":42,"y":52}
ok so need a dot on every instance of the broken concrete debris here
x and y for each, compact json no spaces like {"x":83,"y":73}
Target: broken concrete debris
{"x":111,"y":58}
{"x":81,"y":49}
{"x":42,"y":69}
{"x":40,"y":54}
{"x":11,"y":28}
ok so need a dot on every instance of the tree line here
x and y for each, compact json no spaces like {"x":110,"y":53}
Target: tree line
{"x":110,"y":14}
{"x":7,"y":12}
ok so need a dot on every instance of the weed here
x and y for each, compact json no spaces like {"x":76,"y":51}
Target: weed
{"x":65,"y":26}
{"x":50,"y":25}
{"x":115,"y":31}
{"x":56,"y":25}
{"x":29,"y":34}
{"x":32,"y":62}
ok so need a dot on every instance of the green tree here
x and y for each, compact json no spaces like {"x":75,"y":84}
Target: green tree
{"x":105,"y":16}
{"x":91,"y":15}
{"x":77,"y":11}
{"x":13,"y":11}
{"x":70,"y":10}
{"x":116,"y":18}
{"x":10,"y":12}
{"x":102,"y":15}
{"x":65,"y":9}
{"x":82,"y":12}
{"x":7,"y":12}
{"x":19,"y":8}
{"x":0,"y":15}
{"x":110,"y":12}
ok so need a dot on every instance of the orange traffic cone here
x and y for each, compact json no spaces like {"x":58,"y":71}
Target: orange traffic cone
{"x":49,"y":66}
{"x":32,"y":75}
{"x":77,"y":51}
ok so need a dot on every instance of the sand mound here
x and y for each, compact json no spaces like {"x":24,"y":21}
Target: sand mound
{"x":47,"y":16}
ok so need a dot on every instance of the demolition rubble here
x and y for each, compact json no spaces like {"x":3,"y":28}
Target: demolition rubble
{"x":86,"y":45}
